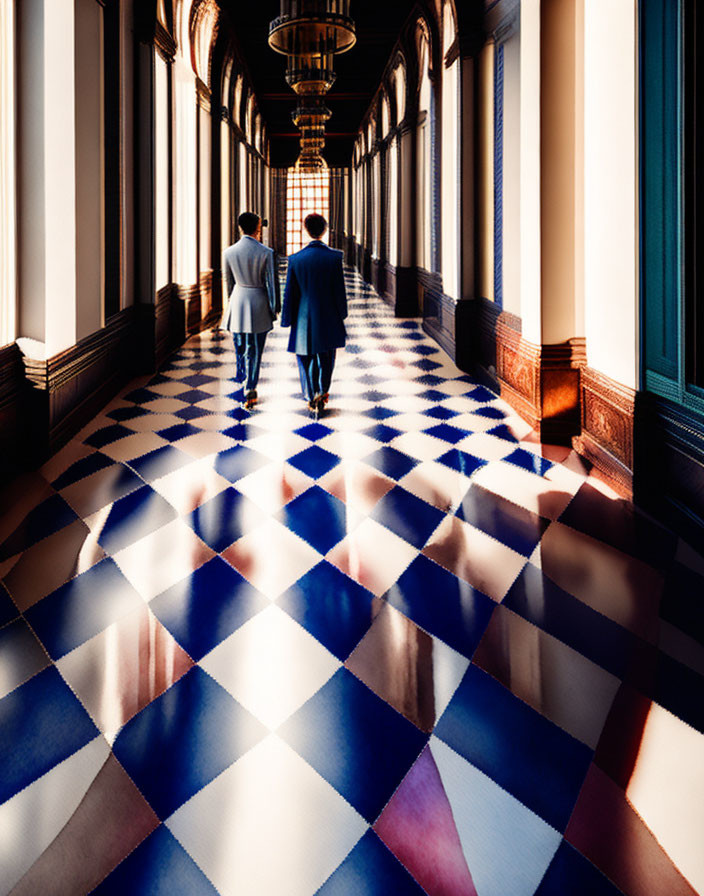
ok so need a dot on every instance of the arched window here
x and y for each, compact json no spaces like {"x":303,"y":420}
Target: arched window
{"x":424,"y":170}
{"x":385,"y":116}
{"x":8,"y":294}
{"x":203,"y":38}
{"x":399,"y":84}
{"x":306,"y":192}
{"x":236,"y":110}
{"x":182,"y":28}
{"x":249,"y":120}
{"x":163,"y":11}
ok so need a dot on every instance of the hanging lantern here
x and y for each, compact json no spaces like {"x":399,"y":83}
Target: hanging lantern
{"x":313,"y":74}
{"x":312,"y":27}
{"x":310,"y":113}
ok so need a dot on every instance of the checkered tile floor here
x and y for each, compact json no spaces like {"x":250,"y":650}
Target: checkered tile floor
{"x":405,"y":649}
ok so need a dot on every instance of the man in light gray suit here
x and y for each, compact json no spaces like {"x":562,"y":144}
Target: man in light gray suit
{"x":254,"y":300}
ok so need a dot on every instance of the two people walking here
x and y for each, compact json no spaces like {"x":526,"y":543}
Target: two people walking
{"x":314,"y":307}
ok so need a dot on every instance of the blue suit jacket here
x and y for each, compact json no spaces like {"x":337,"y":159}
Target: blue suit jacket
{"x":315,"y":303}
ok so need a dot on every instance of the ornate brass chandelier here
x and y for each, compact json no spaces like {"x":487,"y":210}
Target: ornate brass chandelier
{"x":310,"y":33}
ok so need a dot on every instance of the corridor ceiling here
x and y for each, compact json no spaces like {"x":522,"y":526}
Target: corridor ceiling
{"x":359,"y":72}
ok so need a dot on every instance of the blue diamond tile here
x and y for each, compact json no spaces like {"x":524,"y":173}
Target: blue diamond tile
{"x":490,"y":412}
{"x":160,"y":462}
{"x":243,"y":432}
{"x":569,"y":872}
{"x":82,"y":608}
{"x":238,"y":414}
{"x":510,"y":524}
{"x":332,"y":607}
{"x":391,"y":462}
{"x":318,"y":517}
{"x":538,"y":599}
{"x":122,"y":414}
{"x":422,"y":350}
{"x":193,"y":396}
{"x":451,"y":434}
{"x":313,"y":431}
{"x":224,"y":518}
{"x":375,"y":396}
{"x":433,"y":395}
{"x":430,"y":379}
{"x":207,"y":607}
{"x":425,"y":364}
{"x":194,"y":731}
{"x":142,"y":396}
{"x":381,"y":432}
{"x":371,"y":870}
{"x":159,"y":866}
{"x":41,"y":724}
{"x":356,"y":741}
{"x":442,"y":604}
{"x":191,"y":413}
{"x":197,"y":379}
{"x":522,"y":751}
{"x":133,"y":517}
{"x":314,"y":461}
{"x":408,"y":516}
{"x":107,"y":435}
{"x":502,"y":432}
{"x":46,"y":519}
{"x":529,"y":461}
{"x":178,"y":431}
{"x":482,"y":395}
{"x":440,"y":413}
{"x":464,"y":463}
{"x":238,"y":462}
{"x":82,"y":468}
{"x":379,"y":413}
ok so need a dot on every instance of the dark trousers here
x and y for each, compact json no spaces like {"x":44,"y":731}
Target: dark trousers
{"x":316,"y":373}
{"x":249,"y":348}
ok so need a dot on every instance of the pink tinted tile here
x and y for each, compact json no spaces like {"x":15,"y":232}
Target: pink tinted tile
{"x":395,"y":660}
{"x":474,"y":556}
{"x":607,"y":830}
{"x":418,"y":827}
{"x":51,"y":562}
{"x":274,"y":485}
{"x":271,"y":557}
{"x":120,"y":671}
{"x":554,"y":679}
{"x":190,"y":486}
{"x":372,"y":556}
{"x":357,"y":484}
{"x":155,"y":563}
{"x":437,"y":484}
{"x":613,"y":583}
{"x":111,"y":820}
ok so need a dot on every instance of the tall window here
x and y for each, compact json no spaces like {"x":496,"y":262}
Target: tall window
{"x":424,"y":171}
{"x":306,"y":192}
{"x":8,"y":296}
{"x":450,"y":159}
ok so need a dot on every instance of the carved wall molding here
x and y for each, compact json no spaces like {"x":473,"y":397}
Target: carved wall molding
{"x":606,"y":439}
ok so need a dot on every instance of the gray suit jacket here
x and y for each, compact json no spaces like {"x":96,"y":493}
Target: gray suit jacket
{"x":252,"y":287}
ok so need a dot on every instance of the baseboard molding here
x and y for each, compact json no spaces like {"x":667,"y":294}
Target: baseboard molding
{"x":669,"y":464}
{"x":44,"y":403}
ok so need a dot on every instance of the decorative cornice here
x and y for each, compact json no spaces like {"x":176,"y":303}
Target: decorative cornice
{"x":502,"y":20}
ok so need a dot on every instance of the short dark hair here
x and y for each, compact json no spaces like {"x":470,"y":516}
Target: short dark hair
{"x":248,"y":222}
{"x":316,"y":225}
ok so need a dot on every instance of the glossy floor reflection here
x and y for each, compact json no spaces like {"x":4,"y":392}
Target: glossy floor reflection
{"x":405,"y":649}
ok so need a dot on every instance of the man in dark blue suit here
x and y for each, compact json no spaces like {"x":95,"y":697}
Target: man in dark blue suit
{"x":315,"y":307}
